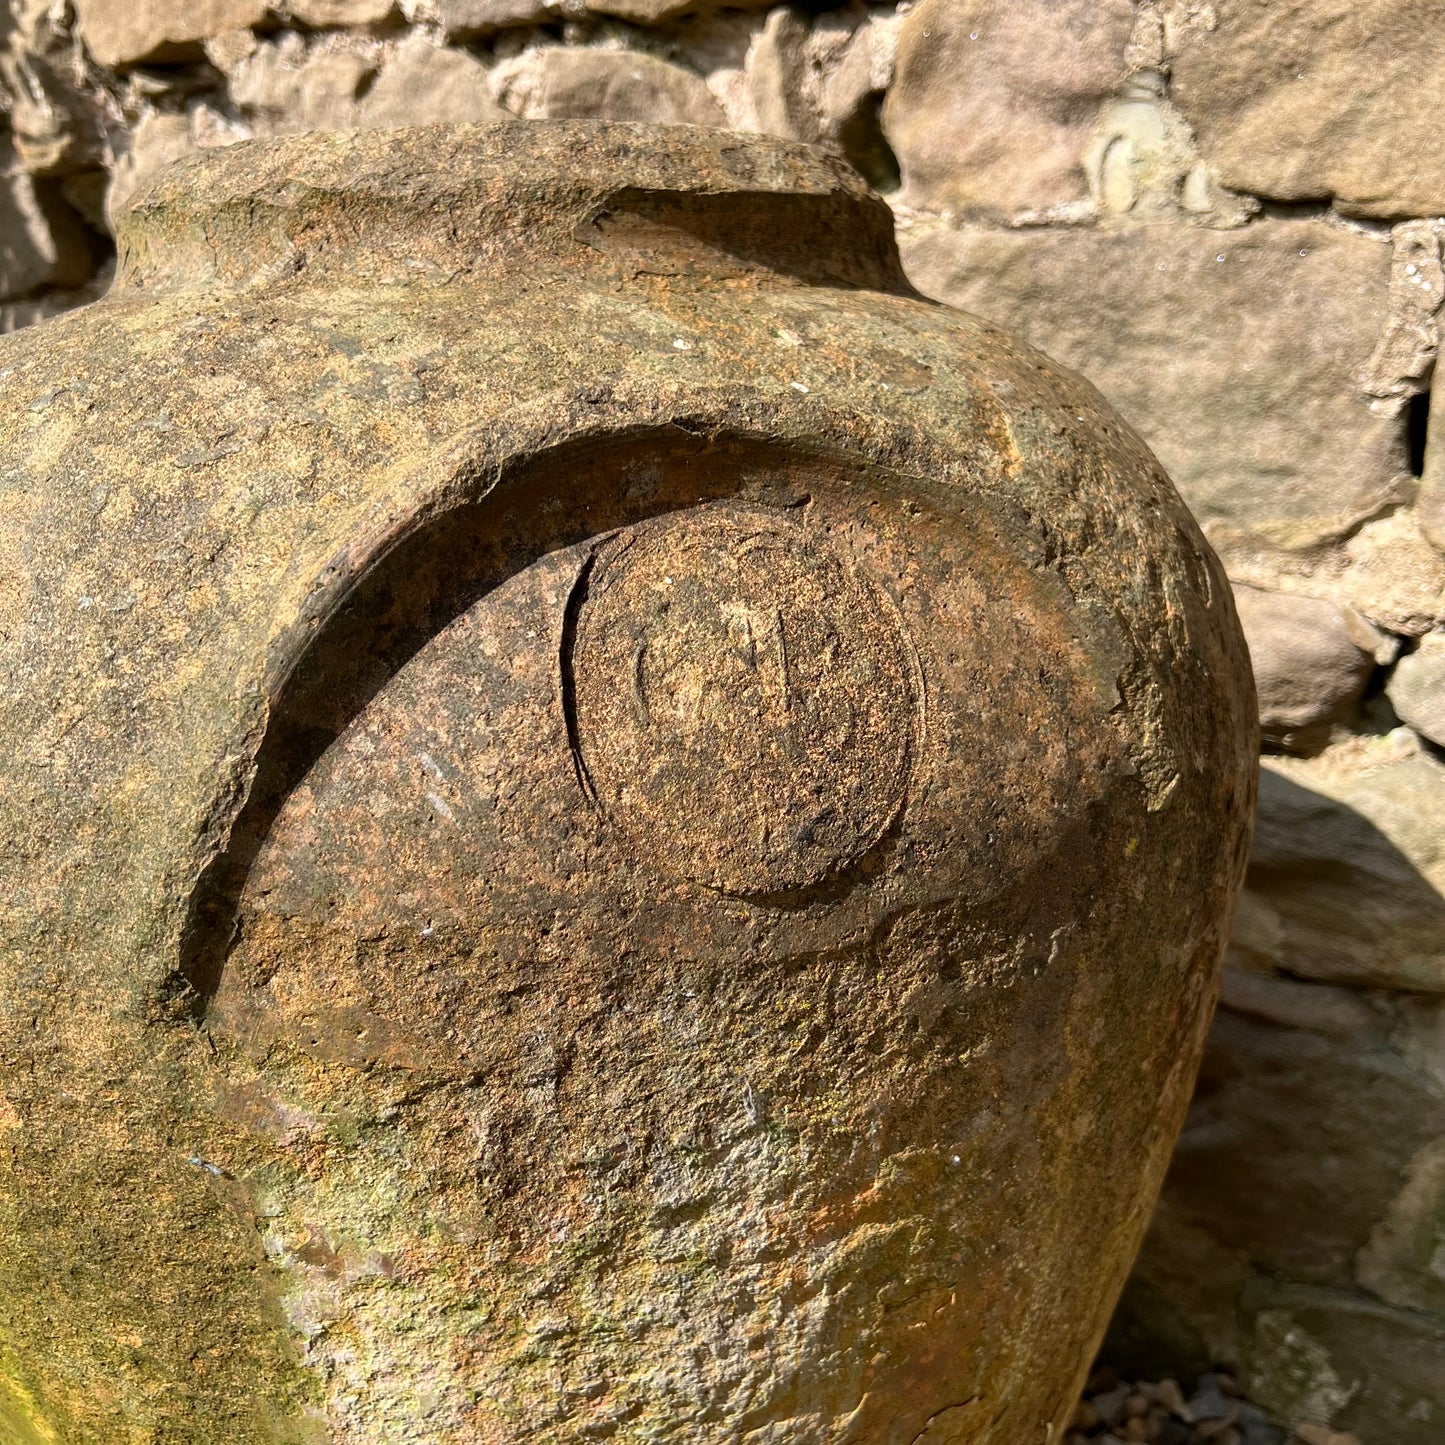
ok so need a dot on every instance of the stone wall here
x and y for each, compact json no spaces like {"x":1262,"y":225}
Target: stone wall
{"x":1227,"y":214}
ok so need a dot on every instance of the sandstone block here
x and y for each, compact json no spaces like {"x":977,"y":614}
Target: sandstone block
{"x":138,"y":30}
{"x":1141,"y":161}
{"x":1283,"y":1156}
{"x":1346,"y":1361}
{"x":284,"y":85}
{"x":850,"y":98}
{"x":1305,"y":100}
{"x":1417,"y":688}
{"x":655,"y":12}
{"x":1404,"y":1260}
{"x":555,"y":82}
{"x":156,"y":140}
{"x":1255,"y":403}
{"x":854,"y":80}
{"x":54,"y":107}
{"x":461,"y":18}
{"x":338,"y":83}
{"x":994,"y":101}
{"x":1306,"y":1175}
{"x":1431,"y":508}
{"x":1389,"y":571}
{"x":421,"y":84}
{"x":320,"y":13}
{"x":775,"y":76}
{"x":821,"y":80}
{"x":1312,"y":659}
{"x":15,"y":315}
{"x":1346,"y":881}
{"x":42,"y":242}
{"x":1405,"y":356}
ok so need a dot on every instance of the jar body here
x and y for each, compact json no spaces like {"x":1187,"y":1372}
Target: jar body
{"x":622,"y":847}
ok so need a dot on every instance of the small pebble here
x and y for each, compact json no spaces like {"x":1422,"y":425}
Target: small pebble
{"x":1111,"y":1403}
{"x":1168,"y":1394}
{"x":1310,"y":1434}
{"x":1210,"y":1406}
{"x":1116,"y":1411}
{"x":1217,"y":1427}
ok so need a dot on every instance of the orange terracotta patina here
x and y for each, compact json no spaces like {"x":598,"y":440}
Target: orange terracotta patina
{"x":613,"y":827}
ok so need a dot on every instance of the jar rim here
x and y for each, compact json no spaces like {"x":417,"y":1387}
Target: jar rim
{"x":478,"y":198}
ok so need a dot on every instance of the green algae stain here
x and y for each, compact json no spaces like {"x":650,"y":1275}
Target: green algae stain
{"x":20,"y":1422}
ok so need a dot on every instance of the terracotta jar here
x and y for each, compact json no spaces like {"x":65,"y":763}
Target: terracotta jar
{"x":613,"y":826}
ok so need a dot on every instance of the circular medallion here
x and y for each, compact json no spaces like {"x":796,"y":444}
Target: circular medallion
{"x":744,"y":704}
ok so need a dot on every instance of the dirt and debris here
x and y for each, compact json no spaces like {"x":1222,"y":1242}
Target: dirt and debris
{"x":1116,"y":1411}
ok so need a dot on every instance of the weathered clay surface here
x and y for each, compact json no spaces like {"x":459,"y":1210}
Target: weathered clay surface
{"x":610,"y":825}
{"x":1301,"y":99}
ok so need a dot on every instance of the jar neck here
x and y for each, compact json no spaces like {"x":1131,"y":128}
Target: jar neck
{"x":519,"y":197}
